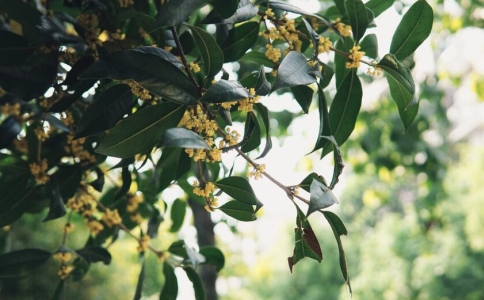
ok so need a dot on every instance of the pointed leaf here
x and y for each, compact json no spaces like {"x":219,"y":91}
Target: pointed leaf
{"x":252,"y":133}
{"x":95,"y":254}
{"x":175,"y":12}
{"x":358,"y":18}
{"x":263,"y":87}
{"x":213,"y":58}
{"x":294,"y":70}
{"x":108,"y":108}
{"x":197,"y":283}
{"x":239,"y":40}
{"x":303,"y":95}
{"x":213,"y":256}
{"x":379,"y":6}
{"x":127,"y":180}
{"x":308,"y":180}
{"x":170,"y":286}
{"x":177,"y":214}
{"x":56,"y":208}
{"x":139,"y":286}
{"x":369,"y":45}
{"x":141,"y":130}
{"x":182,"y":138}
{"x":321,"y":197}
{"x":174,"y":163}
{"x":20,"y":262}
{"x":237,"y":188}
{"x":154,"y":223}
{"x":225,"y":91}
{"x":327,"y":73}
{"x":413,"y":29}
{"x":264,"y":113}
{"x":239,"y":211}
{"x":344,"y":44}
{"x":324,"y":125}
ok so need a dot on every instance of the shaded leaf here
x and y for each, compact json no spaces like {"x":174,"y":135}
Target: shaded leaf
{"x":177,"y":214}
{"x":23,"y":13}
{"x":182,"y":138}
{"x":369,"y":45}
{"x":141,"y":130}
{"x":324,"y":125}
{"x":59,"y":290}
{"x":174,"y":163}
{"x":264,"y":113}
{"x":175,"y":12}
{"x":9,"y":129}
{"x":194,"y":257}
{"x":237,"y":188}
{"x":139,"y":286}
{"x":257,"y":58}
{"x":17,"y":199}
{"x":358,"y":18}
{"x":378,"y":6}
{"x":239,"y":210}
{"x":321,"y":197}
{"x":56,"y":208}
{"x":262,"y":87}
{"x":27,"y":81}
{"x":154,"y":223}
{"x":95,"y":254}
{"x":303,"y":95}
{"x":213,"y":58}
{"x":245,"y":11}
{"x":15,"y":48}
{"x":225,"y":91}
{"x":308,"y":180}
{"x":213,"y":256}
{"x":224,"y":8}
{"x":20,"y":262}
{"x":127,"y":180}
{"x":294,"y":70}
{"x":239,"y":40}
{"x":251,"y":133}
{"x":170,"y":285}
{"x":197,"y":283}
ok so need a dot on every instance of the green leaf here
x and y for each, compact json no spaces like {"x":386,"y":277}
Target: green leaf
{"x":369,"y":45}
{"x":344,"y":44}
{"x":154,"y":223}
{"x":321,"y":197}
{"x":246,"y":10}
{"x":93,"y":254}
{"x":20,"y":262}
{"x":338,"y":162}
{"x":27,"y":81}
{"x":358,"y":18}
{"x":225,"y":91}
{"x":197,"y":283}
{"x":237,"y":188}
{"x":327,"y":73}
{"x":56,"y":208}
{"x":213,"y":58}
{"x":139,"y":285}
{"x":345,"y":108}
{"x":257,"y":58}
{"x":224,"y":8}
{"x":182,"y":138}
{"x":16,"y":199}
{"x":127,"y":180}
{"x":81,"y":266}
{"x":294,"y":9}
{"x":170,"y":285}
{"x":25,"y":14}
{"x":308,"y":180}
{"x":239,"y":40}
{"x":251,"y":133}
{"x":59,"y":290}
{"x":324,"y":126}
{"x":402,"y":88}
{"x":144,"y":65}
{"x":239,"y":211}
{"x":340,"y":5}
{"x":141,"y":130}
{"x":178,"y":248}
{"x":174,"y":163}
{"x":294,"y":70}
{"x":414,"y":28}
{"x":15,"y":48}
{"x":262,"y":87}
{"x":306,"y":242}
{"x":339,"y":229}
{"x":379,"y":6}
{"x":144,"y":20}
{"x":175,"y":12}
{"x":177,"y":213}
{"x":108,"y":108}
{"x":194,"y":257}
{"x":303,"y":95}
{"x":213,"y":256}
{"x":264,"y":113}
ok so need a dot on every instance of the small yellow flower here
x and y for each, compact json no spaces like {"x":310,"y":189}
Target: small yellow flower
{"x":143,"y":243}
{"x":376,"y":71}
{"x":111,"y":217}
{"x":258,"y":171}
{"x":324,"y":45}
{"x":342,"y":28}
{"x":272,"y":53}
{"x":194,"y":67}
{"x":64,"y":271}
{"x":63,"y":256}
{"x":95,"y":226}
{"x":354,"y":57}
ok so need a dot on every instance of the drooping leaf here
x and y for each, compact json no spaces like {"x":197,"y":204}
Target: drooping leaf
{"x":264,"y":113}
{"x":144,"y":20}
{"x":251,"y":133}
{"x":308,"y":180}
{"x":321,"y":197}
{"x":27,"y":81}
{"x":59,"y":290}
{"x":154,"y":223}
{"x":170,"y":285}
{"x":94,"y":254}
{"x":141,"y":130}
{"x":213,"y":58}
{"x":294,"y":70}
{"x":23,"y":13}
{"x":237,"y":188}
{"x":139,"y":286}
{"x":127,"y":180}
{"x":224,"y":9}
{"x":313,"y":35}
{"x":197,"y":283}
{"x":182,"y":138}
{"x":144,"y":66}
{"x":177,"y":213}
{"x":327,"y":73}
{"x":174,"y":163}
{"x":324,"y":124}
{"x":303,"y":95}
{"x":239,"y":40}
{"x":225,"y":91}
{"x":239,"y":210}
{"x":20,"y":262}
{"x":338,"y":162}
{"x":358,"y":18}
{"x":56,"y":208}
{"x":378,"y":6}
{"x":108,"y":108}
{"x":262,"y":87}
{"x":413,"y":29}
{"x":213,"y":256}
{"x":175,"y":12}
{"x":369,"y":45}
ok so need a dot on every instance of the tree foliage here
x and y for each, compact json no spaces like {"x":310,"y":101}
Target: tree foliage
{"x":83,"y":82}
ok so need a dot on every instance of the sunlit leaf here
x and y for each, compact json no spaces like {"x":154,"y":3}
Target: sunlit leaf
{"x":239,"y":210}
{"x":237,"y":188}
{"x":239,"y":40}
{"x":177,"y":214}
{"x":225,"y":91}
{"x":378,"y":6}
{"x":358,"y":19}
{"x":294,"y":70}
{"x":20,"y":262}
{"x":213,"y":256}
{"x":321,"y":197}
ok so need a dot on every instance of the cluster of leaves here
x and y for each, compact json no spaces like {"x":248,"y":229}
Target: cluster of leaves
{"x":142,"y":60}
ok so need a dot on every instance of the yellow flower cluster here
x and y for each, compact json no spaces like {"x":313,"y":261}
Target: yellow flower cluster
{"x":111,"y":217}
{"x":76,"y":149}
{"x":69,"y":227}
{"x":211,"y":203}
{"x":257,"y":172}
{"x":144,"y":243}
{"x":62,"y":256}
{"x":11,"y":109}
{"x":194,"y":67}
{"x":247,"y":104}
{"x":376,"y":71}
{"x":228,"y":105}
{"x":284,"y":30}
{"x":231,"y":138}
{"x":91,"y":34}
{"x":64,"y":271}
{"x":354,"y":57}
{"x":272,"y":53}
{"x":38,"y":170}
{"x":203,"y":192}
{"x":133,"y":202}
{"x":41,"y":134}
{"x":324,"y":45}
{"x":83,"y":203}
{"x":342,"y":28}
{"x":138,"y":90}
{"x":94,"y":226}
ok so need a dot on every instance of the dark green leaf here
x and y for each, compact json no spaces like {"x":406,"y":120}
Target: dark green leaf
{"x":263,"y":87}
{"x":175,"y":12}
{"x":338,"y":162}
{"x":292,"y":8}
{"x":213,"y":58}
{"x":251,"y":133}
{"x":303,"y":95}
{"x":27,"y":81}
{"x":154,"y":223}
{"x":139,"y":286}
{"x":340,"y":5}
{"x":81,"y":266}
{"x":321,"y":197}
{"x":308,"y":180}
{"x":95,"y":254}
{"x":127,"y":180}
{"x":141,"y":130}
{"x":225,"y":91}
{"x":59,"y":290}
{"x":15,"y":48}
{"x":20,"y":262}
{"x":324,"y":125}
{"x":170,"y":285}
{"x":144,"y":20}
{"x":257,"y":58}
{"x":177,"y":213}
{"x":23,"y":13}
{"x":213,"y":256}
{"x":178,"y":248}
{"x":414,"y":28}
{"x":57,"y":208}
{"x":264,"y":113}
{"x":239,"y":211}
{"x":239,"y":40}
{"x":197,"y":283}
{"x":358,"y":19}
{"x":369,"y":45}
{"x":17,"y":199}
{"x":224,"y":8}
{"x":237,"y":188}
{"x":313,"y":35}
{"x":294,"y":70}
{"x":182,"y":138}
{"x":379,"y":6}
{"x":9,"y":129}
{"x":108,"y":108}
{"x":327,"y":73}
{"x":340,"y":70}
{"x":174,"y":163}
{"x":245,"y":11}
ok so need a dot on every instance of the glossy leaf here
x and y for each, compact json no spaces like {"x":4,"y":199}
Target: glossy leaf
{"x":321,"y":197}
{"x":308,"y":180}
{"x":177,"y":213}
{"x":262,"y":87}
{"x":141,"y":130}
{"x":106,"y":110}
{"x":378,"y":6}
{"x":239,"y":210}
{"x":197,"y":283}
{"x":213,"y":58}
{"x":170,"y":285}
{"x":264,"y":114}
{"x":294,"y":70}
{"x":303,"y":95}
{"x":182,"y":138}
{"x":213,"y":256}
{"x":292,"y":8}
{"x":340,"y":70}
{"x":225,"y":91}
{"x":20,"y":262}
{"x":239,"y":40}
{"x":246,"y":10}
{"x":358,"y":18}
{"x":237,"y":188}
{"x":56,"y":208}
{"x":413,"y":29}
{"x":369,"y":45}
{"x":95,"y":254}
{"x":175,"y":12}
{"x":174,"y":163}
{"x":143,"y":65}
{"x":257,"y":58}
{"x":251,"y":133}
